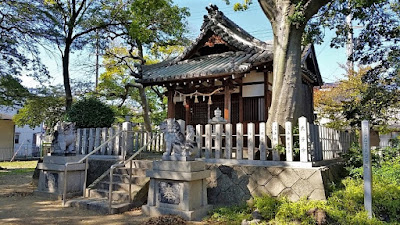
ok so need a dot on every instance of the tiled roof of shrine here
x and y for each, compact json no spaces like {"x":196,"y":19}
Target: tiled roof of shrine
{"x":245,"y":52}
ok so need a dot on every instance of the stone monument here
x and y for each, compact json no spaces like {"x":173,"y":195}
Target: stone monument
{"x":63,"y":142}
{"x":52,"y":170}
{"x":178,"y":183}
{"x":217,"y":119}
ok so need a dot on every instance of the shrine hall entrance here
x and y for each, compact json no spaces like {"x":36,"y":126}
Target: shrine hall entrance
{"x":243,"y":109}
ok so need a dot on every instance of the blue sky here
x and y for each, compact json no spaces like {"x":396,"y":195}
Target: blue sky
{"x":253,"y":21}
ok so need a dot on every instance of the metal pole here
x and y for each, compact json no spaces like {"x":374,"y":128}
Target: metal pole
{"x":367,"y":167}
{"x":85,"y":181}
{"x":65,"y":185}
{"x":130,"y":181}
{"x":110,"y":188}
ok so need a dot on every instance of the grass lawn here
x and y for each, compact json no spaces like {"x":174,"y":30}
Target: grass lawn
{"x":17,"y":167}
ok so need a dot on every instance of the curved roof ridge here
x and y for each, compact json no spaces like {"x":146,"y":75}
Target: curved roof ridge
{"x":228,"y":30}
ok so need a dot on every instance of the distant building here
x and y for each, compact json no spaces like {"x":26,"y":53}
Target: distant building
{"x":23,"y":142}
{"x":7,"y":129}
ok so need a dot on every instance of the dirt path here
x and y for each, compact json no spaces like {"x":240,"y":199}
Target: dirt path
{"x":18,"y":205}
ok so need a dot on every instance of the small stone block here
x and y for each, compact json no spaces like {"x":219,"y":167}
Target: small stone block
{"x":177,"y":158}
{"x":179,"y":166}
{"x":62,"y":159}
{"x":195,"y":215}
{"x":170,"y":175}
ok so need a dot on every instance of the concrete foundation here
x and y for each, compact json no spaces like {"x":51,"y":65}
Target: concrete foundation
{"x":178,"y":188}
{"x":51,"y":177}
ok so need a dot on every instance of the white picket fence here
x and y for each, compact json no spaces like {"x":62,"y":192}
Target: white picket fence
{"x":130,"y":139}
{"x":229,"y":144}
{"x":220,"y":144}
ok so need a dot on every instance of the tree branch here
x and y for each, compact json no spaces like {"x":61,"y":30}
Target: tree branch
{"x":311,"y":7}
{"x":269,"y":8}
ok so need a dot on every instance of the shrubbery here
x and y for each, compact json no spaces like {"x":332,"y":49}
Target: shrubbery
{"x":345,"y":205}
{"x":91,"y":112}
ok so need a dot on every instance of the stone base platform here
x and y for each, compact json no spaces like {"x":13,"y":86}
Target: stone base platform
{"x":52,"y":177}
{"x":178,"y":188}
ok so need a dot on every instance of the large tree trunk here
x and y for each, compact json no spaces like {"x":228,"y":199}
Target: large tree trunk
{"x":287,"y":94}
{"x":146,"y":110}
{"x":142,"y":92}
{"x":67,"y":85}
{"x":287,"y":103}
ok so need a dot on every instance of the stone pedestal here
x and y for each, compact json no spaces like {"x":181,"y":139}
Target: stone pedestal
{"x":178,"y":188}
{"x":51,"y":178}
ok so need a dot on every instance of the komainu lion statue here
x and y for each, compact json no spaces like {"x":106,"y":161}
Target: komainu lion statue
{"x":177,"y":146}
{"x":64,"y":138}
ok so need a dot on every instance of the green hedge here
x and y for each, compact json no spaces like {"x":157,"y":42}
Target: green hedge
{"x":89,"y":113}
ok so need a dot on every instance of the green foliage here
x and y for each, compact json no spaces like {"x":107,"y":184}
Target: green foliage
{"x":11,"y":91}
{"x":267,"y":206}
{"x":156,"y":21}
{"x":38,"y":109}
{"x":17,"y":167}
{"x":280,"y":148}
{"x":297,"y":211}
{"x":297,"y":18}
{"x":377,"y":23}
{"x":241,"y":6}
{"x":19,"y":34}
{"x":231,"y":215}
{"x":90,"y":112}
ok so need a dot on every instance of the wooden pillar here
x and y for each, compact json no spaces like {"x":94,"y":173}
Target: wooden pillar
{"x":171,"y":105}
{"x":187,"y":112}
{"x":241,"y":104}
{"x":227,"y":105}
{"x":267,"y":93}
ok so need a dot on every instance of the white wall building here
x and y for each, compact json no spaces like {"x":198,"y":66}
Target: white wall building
{"x":27,"y":141}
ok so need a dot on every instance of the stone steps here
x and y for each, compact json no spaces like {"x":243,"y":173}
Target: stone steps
{"x":125,"y":178}
{"x":98,"y":195}
{"x":99,"y":205}
{"x":119,"y":186}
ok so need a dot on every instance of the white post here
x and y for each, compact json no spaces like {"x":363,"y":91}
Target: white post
{"x":208,"y":141}
{"x":239,"y":141}
{"x":78,"y":140}
{"x":303,"y":139}
{"x":367,"y":167}
{"x":127,"y":142}
{"x":199,"y":139}
{"x":218,"y":140}
{"x":251,"y":130}
{"x":97,"y":138}
{"x":111,"y":143}
{"x":275,"y":141}
{"x":91,"y":139}
{"x":228,"y":141}
{"x":263,"y":142}
{"x":104,"y":139}
{"x":289,"y":141}
{"x":84,"y":141}
{"x":117,"y":143}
